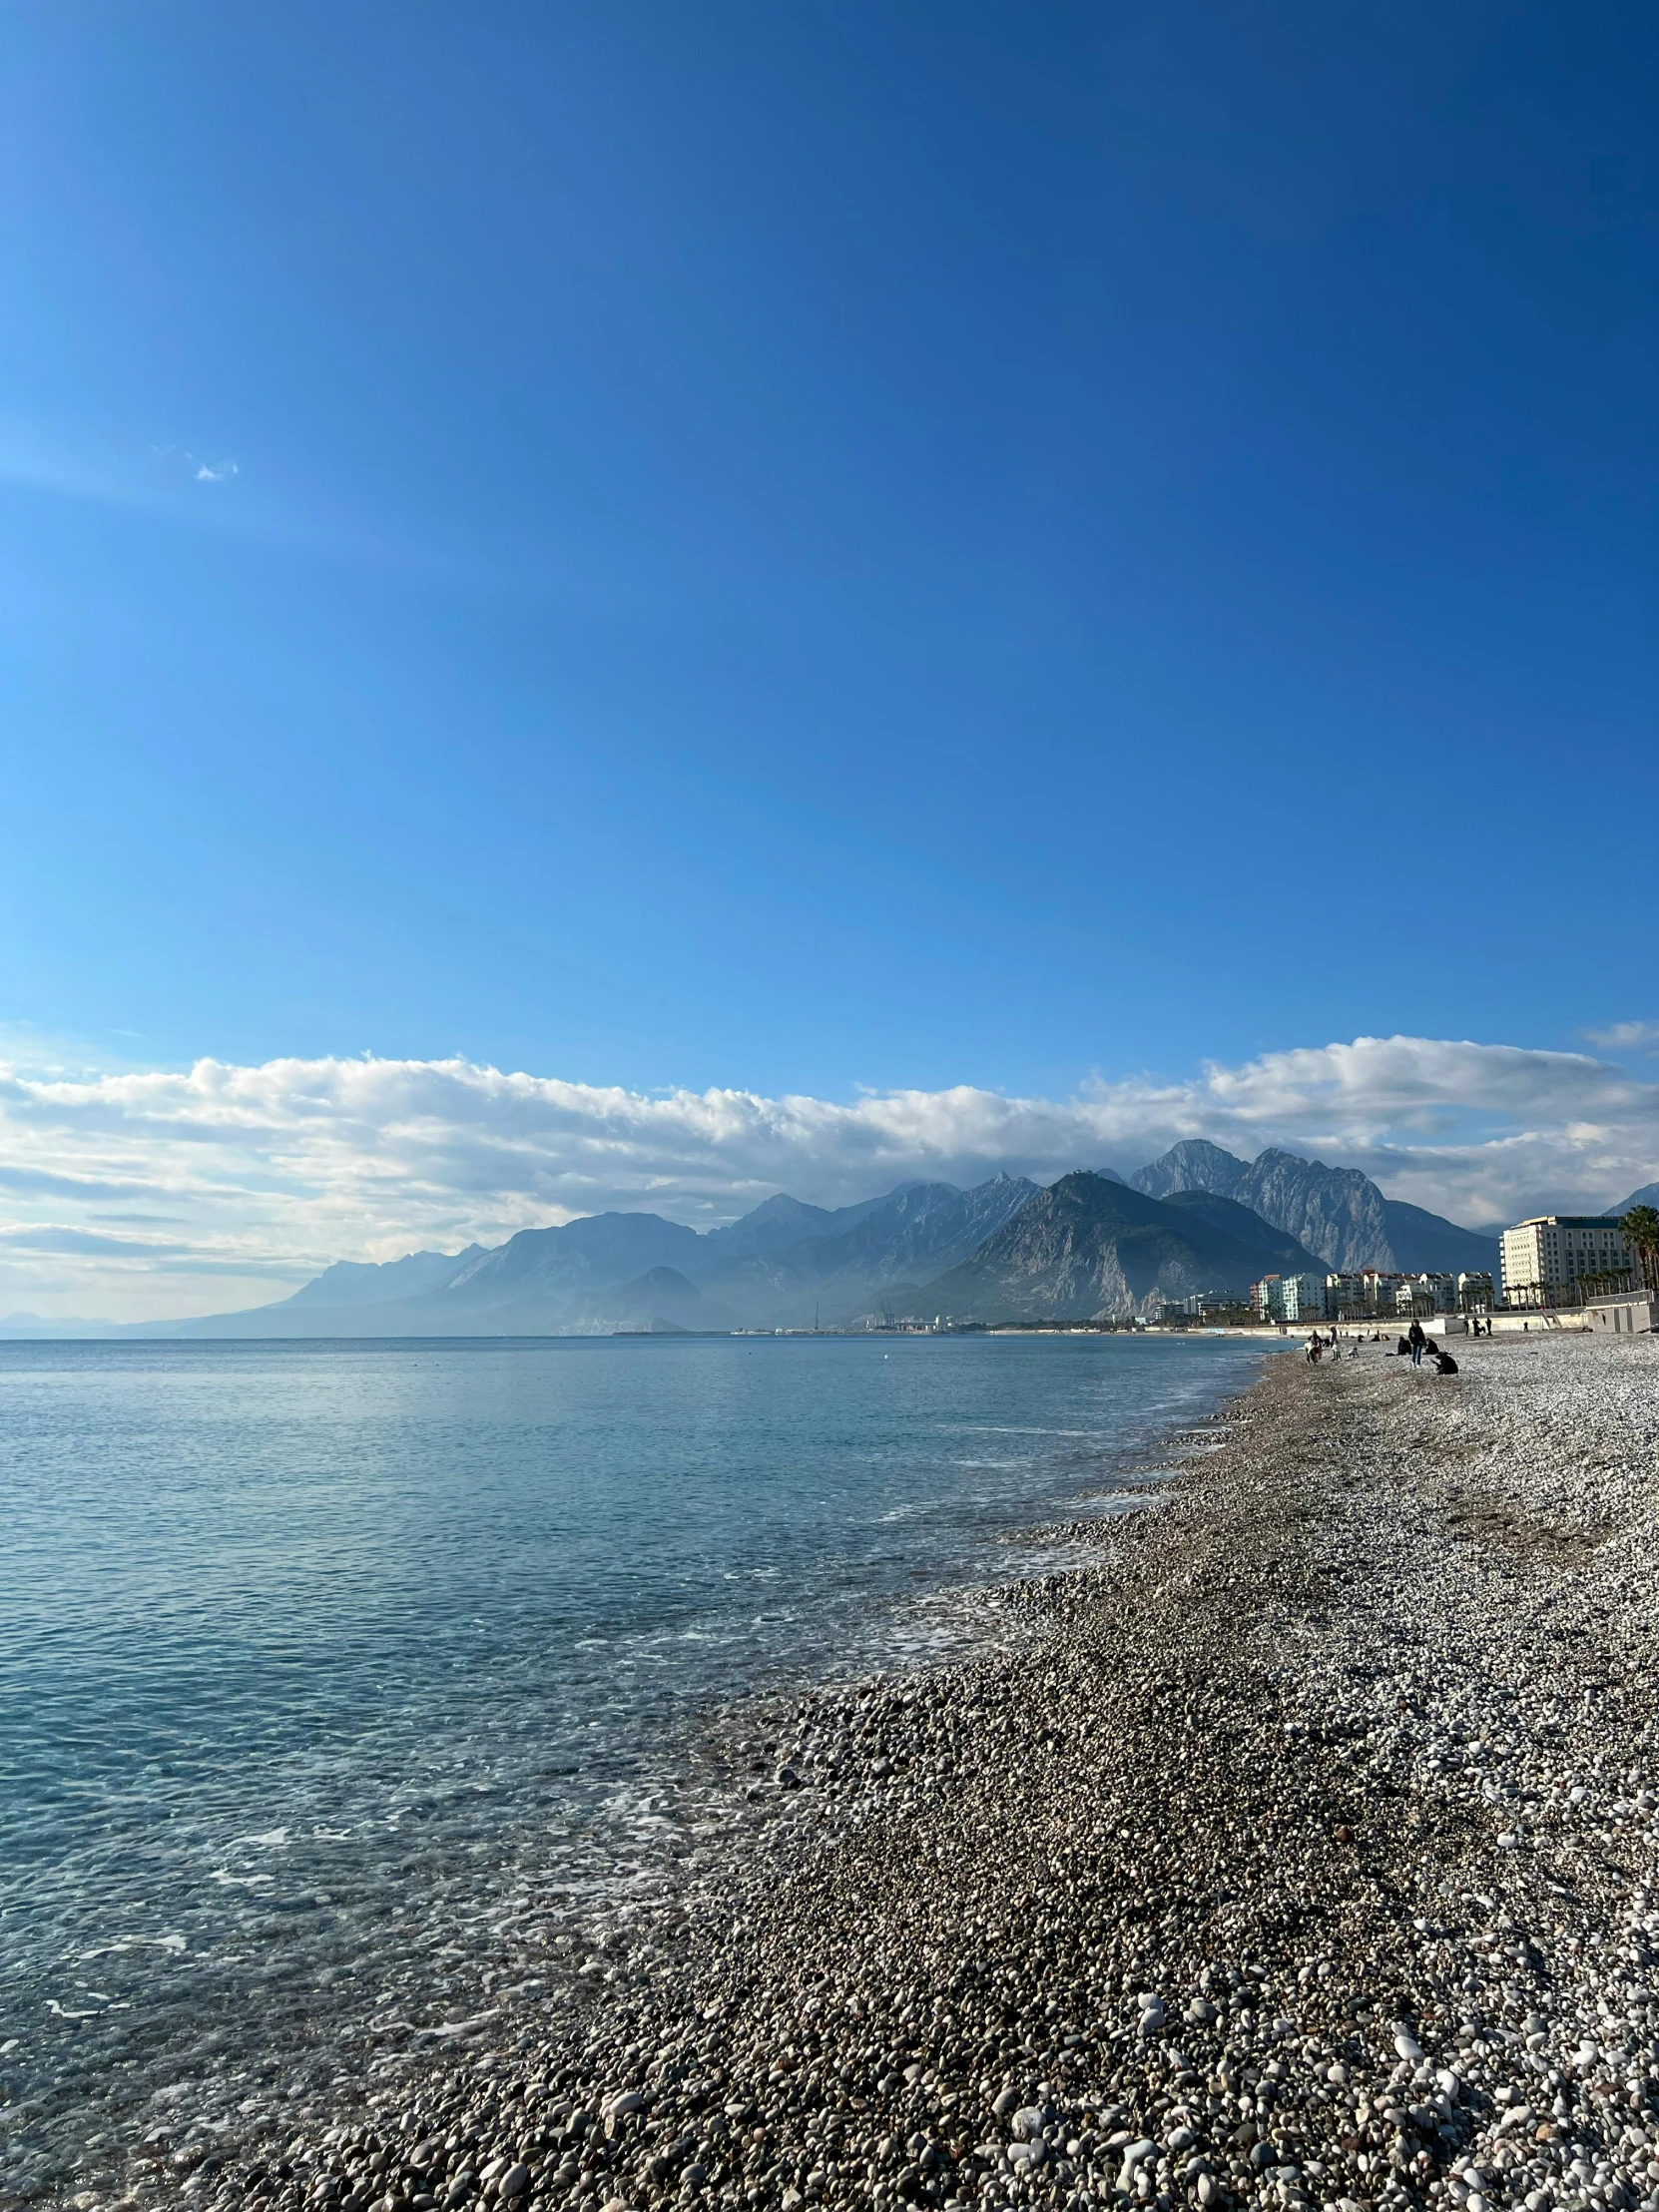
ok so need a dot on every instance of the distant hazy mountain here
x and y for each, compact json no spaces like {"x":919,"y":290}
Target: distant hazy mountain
{"x":542,"y":1279}
{"x":573,"y":1260}
{"x":38,"y":1325}
{"x":1648,"y":1195}
{"x":780,"y":1222}
{"x":1090,"y":1248}
{"x":1337,"y":1213}
{"x":361,"y":1283}
{"x":662,"y":1299}
{"x":915,"y":1231}
{"x":779,"y":1267}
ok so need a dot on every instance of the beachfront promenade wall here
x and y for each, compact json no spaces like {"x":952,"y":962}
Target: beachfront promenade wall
{"x":1619,"y":1317}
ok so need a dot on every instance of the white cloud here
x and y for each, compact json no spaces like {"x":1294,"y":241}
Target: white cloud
{"x":59,"y":1238}
{"x":1627,"y":1036}
{"x":270,"y":1172}
{"x":106,"y":467}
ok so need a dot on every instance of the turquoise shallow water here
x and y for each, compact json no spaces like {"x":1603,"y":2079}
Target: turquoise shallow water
{"x":324,"y":1667}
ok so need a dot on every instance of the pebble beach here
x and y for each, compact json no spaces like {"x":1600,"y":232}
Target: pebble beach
{"x":1299,"y":1850}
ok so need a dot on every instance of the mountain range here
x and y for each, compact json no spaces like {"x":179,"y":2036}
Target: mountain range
{"x":1089,"y":1248}
{"x":1337,"y":1213}
{"x":784,"y":1266}
{"x":1091,"y":1245}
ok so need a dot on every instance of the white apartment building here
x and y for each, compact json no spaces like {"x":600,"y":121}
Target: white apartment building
{"x":1345,"y":1297}
{"x":1545,"y":1258}
{"x":1302,"y":1296}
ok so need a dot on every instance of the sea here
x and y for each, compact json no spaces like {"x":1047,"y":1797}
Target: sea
{"x":336,"y":1678}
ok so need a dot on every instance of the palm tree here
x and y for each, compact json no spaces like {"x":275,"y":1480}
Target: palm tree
{"x":1641,"y":1230}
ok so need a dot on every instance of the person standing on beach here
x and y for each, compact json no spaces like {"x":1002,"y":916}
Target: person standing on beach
{"x":1416,"y":1339}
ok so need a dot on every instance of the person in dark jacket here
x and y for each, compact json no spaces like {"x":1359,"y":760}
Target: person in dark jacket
{"x":1416,"y":1339}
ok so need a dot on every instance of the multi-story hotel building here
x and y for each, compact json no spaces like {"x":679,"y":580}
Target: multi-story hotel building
{"x":1547,"y":1258}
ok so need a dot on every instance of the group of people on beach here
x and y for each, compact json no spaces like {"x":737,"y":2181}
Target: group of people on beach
{"x":1412,"y":1346}
{"x":1416,"y":1341}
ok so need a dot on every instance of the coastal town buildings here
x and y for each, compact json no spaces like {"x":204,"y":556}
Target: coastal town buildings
{"x":1373,"y":1293}
{"x":1289,"y":1297}
{"x":1369,"y":1294}
{"x":1555,"y":1259}
{"x":1204,"y":1304}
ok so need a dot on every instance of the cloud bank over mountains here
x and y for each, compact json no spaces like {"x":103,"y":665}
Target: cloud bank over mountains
{"x":121,"y":1192}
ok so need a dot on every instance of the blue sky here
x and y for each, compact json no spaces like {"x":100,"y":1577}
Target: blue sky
{"x":829,"y":546}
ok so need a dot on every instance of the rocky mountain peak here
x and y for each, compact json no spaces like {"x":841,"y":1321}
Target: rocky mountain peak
{"x":1192,"y":1165}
